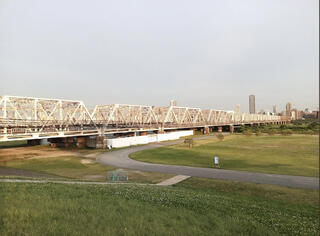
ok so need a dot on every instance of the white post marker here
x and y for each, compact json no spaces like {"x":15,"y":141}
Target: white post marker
{"x":216,"y":161}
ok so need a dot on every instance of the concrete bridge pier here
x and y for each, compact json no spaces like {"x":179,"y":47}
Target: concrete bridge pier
{"x":81,"y":142}
{"x":101,"y":142}
{"x":231,"y":128}
{"x":160,"y":130}
{"x":220,"y":129}
{"x":206,"y":130}
{"x":61,"y":142}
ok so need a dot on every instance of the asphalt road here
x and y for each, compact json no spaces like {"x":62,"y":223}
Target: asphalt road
{"x":120,"y":158}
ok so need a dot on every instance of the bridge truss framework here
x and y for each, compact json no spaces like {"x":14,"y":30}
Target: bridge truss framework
{"x":24,"y":118}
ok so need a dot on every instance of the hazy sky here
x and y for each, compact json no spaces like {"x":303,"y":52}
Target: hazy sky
{"x":208,"y":54}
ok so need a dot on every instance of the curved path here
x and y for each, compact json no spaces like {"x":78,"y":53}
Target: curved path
{"x":120,"y":158}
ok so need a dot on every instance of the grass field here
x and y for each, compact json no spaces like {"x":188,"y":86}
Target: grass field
{"x":292,"y":155}
{"x":194,"y":207}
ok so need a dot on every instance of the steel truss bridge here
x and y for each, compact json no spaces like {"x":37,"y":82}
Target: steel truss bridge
{"x":27,"y":118}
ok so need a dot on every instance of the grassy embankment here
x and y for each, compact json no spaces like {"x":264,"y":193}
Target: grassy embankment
{"x":292,"y":155}
{"x":193,"y":207}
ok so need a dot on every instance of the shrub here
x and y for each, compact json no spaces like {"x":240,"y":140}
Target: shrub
{"x":247,"y":133}
{"x":286,"y":132}
{"x":220,"y":137}
{"x":189,"y":142}
{"x":310,"y":132}
{"x":259,"y":133}
{"x":272,"y":132}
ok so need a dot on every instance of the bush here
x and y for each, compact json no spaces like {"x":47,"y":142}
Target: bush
{"x":259,"y":133}
{"x":247,"y":133}
{"x":189,"y":142}
{"x":310,"y":132}
{"x":220,"y":137}
{"x":272,"y":132}
{"x":286,"y":132}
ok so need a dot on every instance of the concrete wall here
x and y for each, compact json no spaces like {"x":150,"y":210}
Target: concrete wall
{"x":151,"y":138}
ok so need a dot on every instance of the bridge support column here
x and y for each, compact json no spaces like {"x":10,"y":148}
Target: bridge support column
{"x":160,"y":130}
{"x":231,"y":128}
{"x":81,"y":142}
{"x":61,"y":142}
{"x":101,"y":142}
{"x":206,"y":130}
{"x":220,"y":129}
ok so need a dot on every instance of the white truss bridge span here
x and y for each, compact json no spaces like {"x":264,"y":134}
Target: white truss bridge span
{"x":24,"y":118}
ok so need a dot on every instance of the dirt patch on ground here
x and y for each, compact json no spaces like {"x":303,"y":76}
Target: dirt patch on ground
{"x":33,"y":152}
{"x":95,"y":177}
{"x":5,"y":171}
{"x":86,"y":161}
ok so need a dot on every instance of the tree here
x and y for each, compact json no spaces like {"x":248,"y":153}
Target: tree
{"x":286,"y":132}
{"x":272,"y":132}
{"x":220,"y":137}
{"x":189,"y":142}
{"x":247,"y":133}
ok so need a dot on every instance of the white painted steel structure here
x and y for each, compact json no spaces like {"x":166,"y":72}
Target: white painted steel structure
{"x":36,"y":118}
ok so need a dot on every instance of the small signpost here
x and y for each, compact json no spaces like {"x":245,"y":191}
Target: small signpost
{"x":216,"y":162}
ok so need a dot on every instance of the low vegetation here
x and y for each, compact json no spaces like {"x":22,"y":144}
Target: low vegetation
{"x":57,"y":209}
{"x":293,"y":155}
{"x":220,"y":137}
{"x":308,"y":126}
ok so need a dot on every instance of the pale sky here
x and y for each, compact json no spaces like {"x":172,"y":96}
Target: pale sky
{"x":207,"y":54}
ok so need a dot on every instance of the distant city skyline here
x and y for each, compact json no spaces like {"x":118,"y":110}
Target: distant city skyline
{"x":207,"y":54}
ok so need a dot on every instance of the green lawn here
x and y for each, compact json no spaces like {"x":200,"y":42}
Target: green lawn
{"x":292,"y":155}
{"x":185,"y":209}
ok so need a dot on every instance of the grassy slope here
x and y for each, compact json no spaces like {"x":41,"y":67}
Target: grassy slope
{"x":55,"y":209}
{"x":293,"y":155}
{"x":71,"y":167}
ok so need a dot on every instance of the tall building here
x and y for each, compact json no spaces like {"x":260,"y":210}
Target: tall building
{"x":275,"y":109}
{"x":237,"y":110}
{"x":289,"y":106}
{"x":288,"y":109}
{"x":173,"y":103}
{"x":252,"y":104}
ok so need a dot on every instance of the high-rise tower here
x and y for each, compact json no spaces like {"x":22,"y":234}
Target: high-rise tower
{"x":252,"y":104}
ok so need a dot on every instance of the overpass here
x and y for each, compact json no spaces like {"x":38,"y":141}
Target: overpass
{"x":30,"y":118}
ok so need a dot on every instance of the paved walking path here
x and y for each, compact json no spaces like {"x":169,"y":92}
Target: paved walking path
{"x":174,"y":180}
{"x":120,"y":158}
